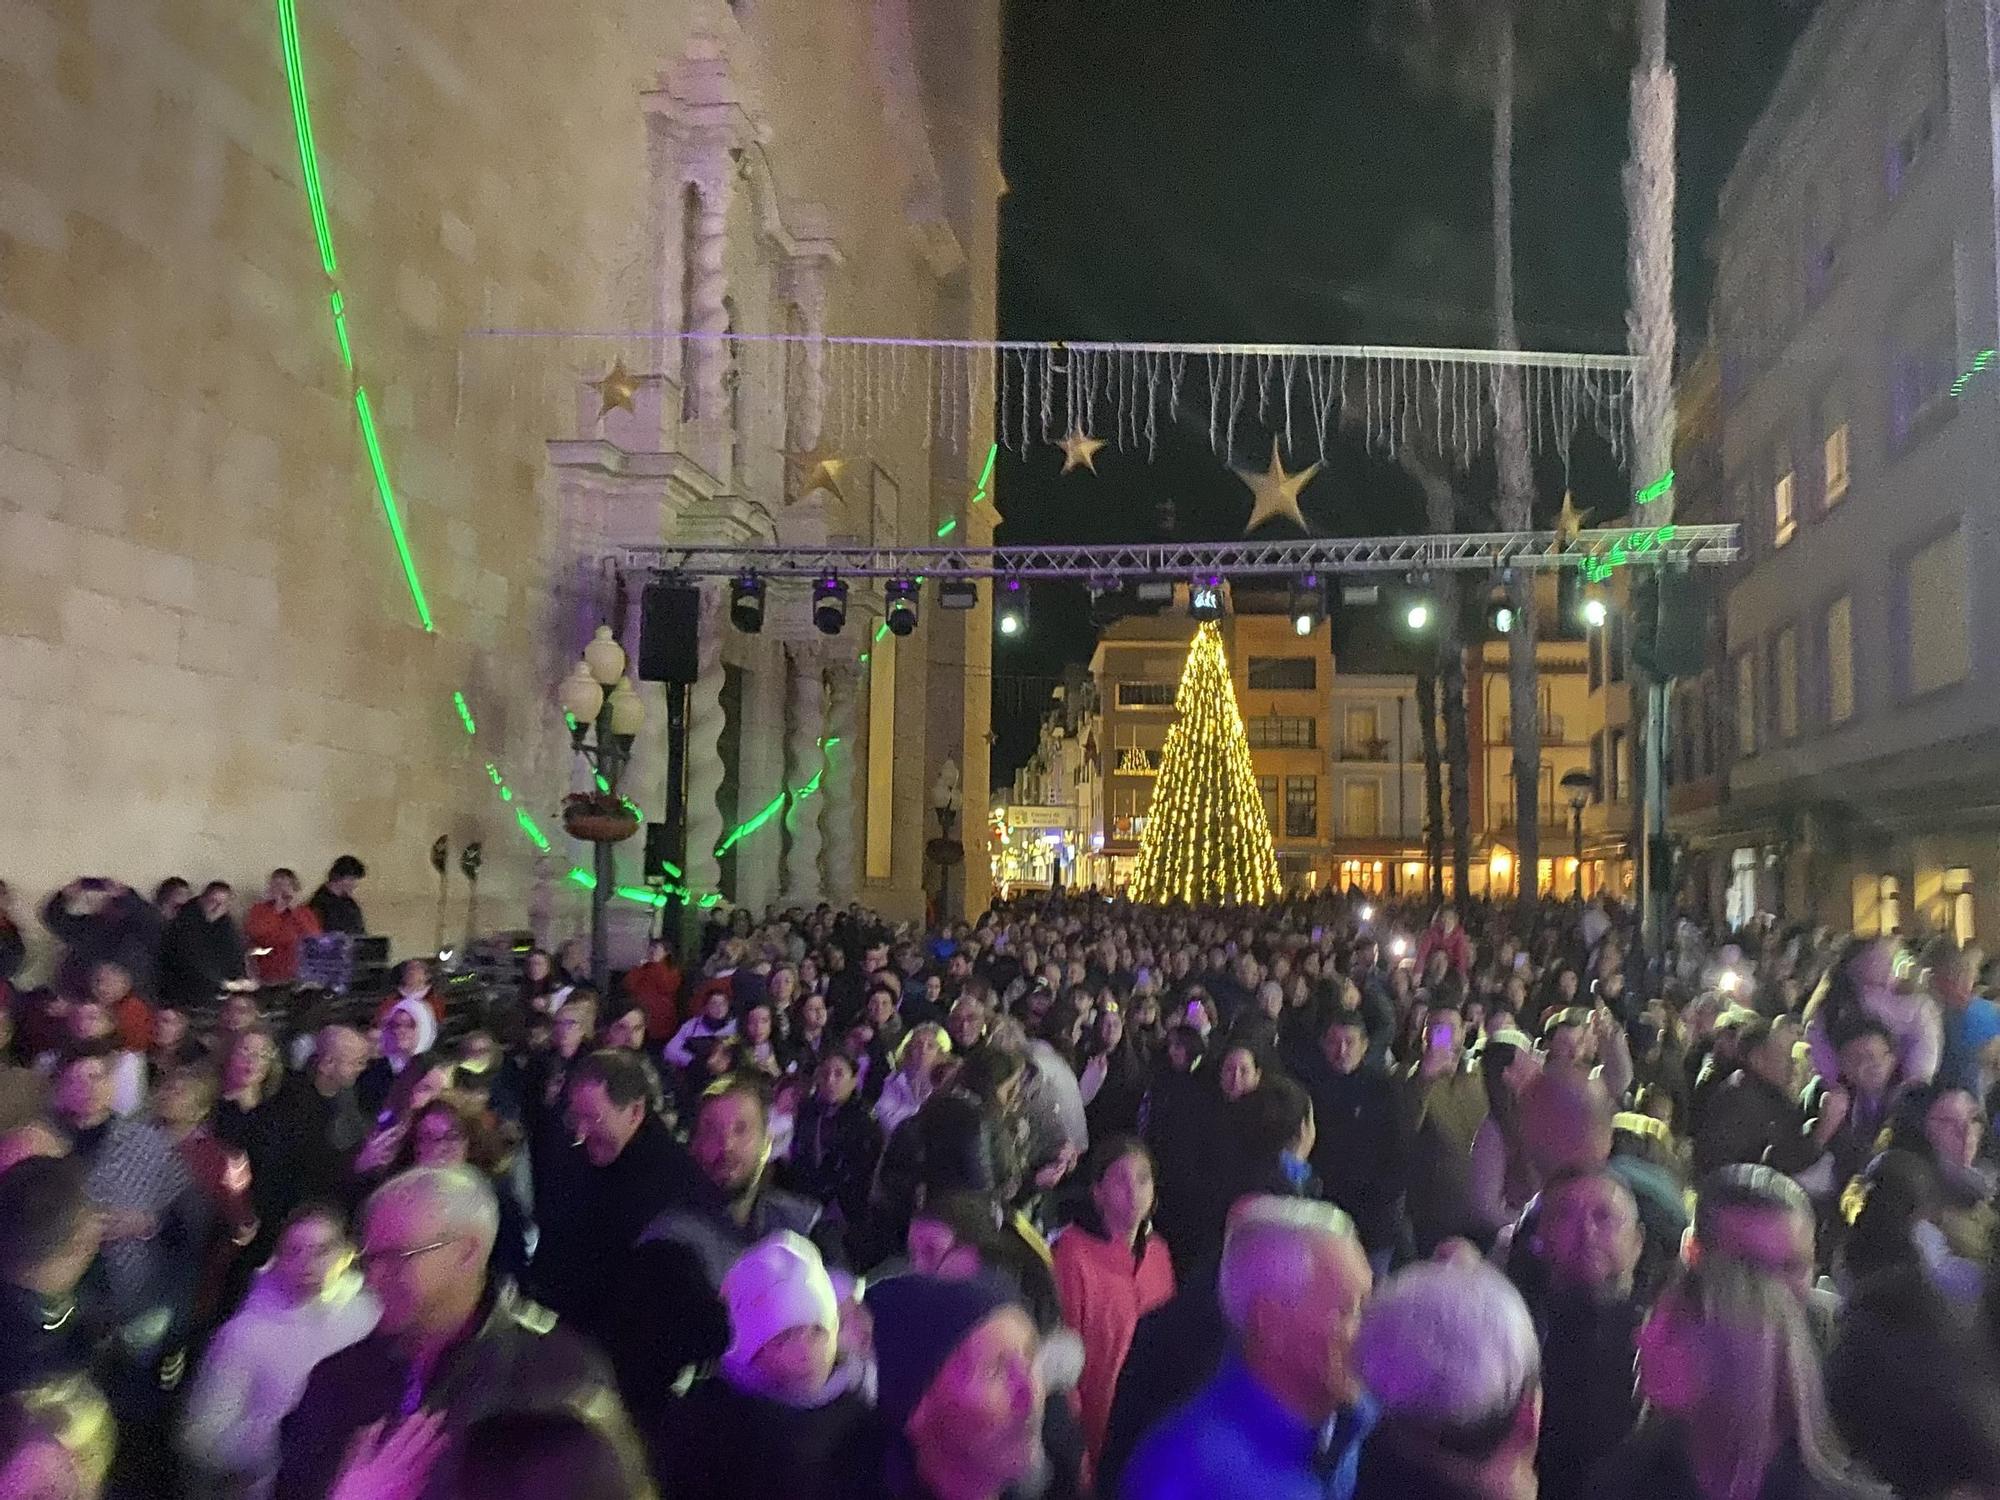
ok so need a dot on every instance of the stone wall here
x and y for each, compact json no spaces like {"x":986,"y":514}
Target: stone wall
{"x":209,"y":659}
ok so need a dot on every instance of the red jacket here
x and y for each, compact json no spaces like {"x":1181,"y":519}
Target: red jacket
{"x":1104,"y":1293}
{"x":1455,"y":945}
{"x":656,"y":989}
{"x":280,"y":931}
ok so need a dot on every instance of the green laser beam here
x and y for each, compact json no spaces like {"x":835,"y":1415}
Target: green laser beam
{"x":365,"y":414}
{"x":340,"y":331}
{"x":464,"y":713}
{"x":1657,"y":488}
{"x":950,"y":525}
{"x":295,"y":84}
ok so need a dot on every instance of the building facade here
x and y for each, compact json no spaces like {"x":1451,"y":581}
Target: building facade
{"x":299,"y":526}
{"x":1854,"y":319}
{"x":1378,"y":783}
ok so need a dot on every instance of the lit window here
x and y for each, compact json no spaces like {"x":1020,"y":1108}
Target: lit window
{"x":1786,"y":669}
{"x":1937,"y":643}
{"x":1363,"y":812}
{"x":1837,"y":474}
{"x":1840,"y":660}
{"x":1301,"y":807}
{"x":1784,"y":509}
{"x":1888,"y":904}
{"x":1958,"y":904}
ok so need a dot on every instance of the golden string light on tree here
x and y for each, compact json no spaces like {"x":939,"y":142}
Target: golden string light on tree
{"x":1206,"y":838}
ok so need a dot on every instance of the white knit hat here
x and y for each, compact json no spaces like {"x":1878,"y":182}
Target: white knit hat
{"x":778,"y":1283}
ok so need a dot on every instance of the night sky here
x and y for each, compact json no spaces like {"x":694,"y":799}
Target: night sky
{"x":1258,"y":171}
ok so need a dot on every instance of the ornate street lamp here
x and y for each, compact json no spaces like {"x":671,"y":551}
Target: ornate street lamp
{"x":1579,"y":784}
{"x":605,"y":716}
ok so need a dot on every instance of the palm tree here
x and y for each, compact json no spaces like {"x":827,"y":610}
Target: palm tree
{"x":1441,"y":516}
{"x":1427,"y":736}
{"x":1471,"y":49}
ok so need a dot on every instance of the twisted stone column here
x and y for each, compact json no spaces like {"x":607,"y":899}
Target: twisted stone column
{"x":805,"y":723}
{"x":706,"y":316}
{"x":842,"y":872}
{"x":704,"y":762}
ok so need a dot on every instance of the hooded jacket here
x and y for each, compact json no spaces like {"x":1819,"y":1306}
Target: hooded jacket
{"x":257,"y":1367}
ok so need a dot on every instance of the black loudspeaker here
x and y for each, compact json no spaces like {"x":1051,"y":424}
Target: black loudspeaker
{"x":1678,"y":646}
{"x":659,"y":849}
{"x":669,"y":633}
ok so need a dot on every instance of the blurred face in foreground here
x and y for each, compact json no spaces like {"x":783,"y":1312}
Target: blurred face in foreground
{"x":981,"y":1418}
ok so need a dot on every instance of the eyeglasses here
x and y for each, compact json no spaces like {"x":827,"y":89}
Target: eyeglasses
{"x":397,"y":1257}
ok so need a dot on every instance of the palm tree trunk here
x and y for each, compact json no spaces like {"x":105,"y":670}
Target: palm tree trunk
{"x":1517,"y":492}
{"x":1457,"y":757}
{"x":1427,"y":736}
{"x":1649,"y":205}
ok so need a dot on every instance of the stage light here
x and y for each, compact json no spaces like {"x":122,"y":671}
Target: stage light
{"x":957,"y":593}
{"x":899,"y":605}
{"x":829,"y":605}
{"x":1205,"y":597}
{"x":746,"y":603}
{"x":1010,"y":614}
{"x":1302,"y":624}
{"x":1595,"y":612}
{"x":1308,"y":603}
{"x":1419,"y":616}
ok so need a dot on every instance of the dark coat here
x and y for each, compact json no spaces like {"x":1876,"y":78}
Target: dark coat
{"x":517,"y":1361}
{"x":317,"y":1140}
{"x":1176,"y":1350}
{"x":1652,"y":1464}
{"x":337,"y":913}
{"x":1361,"y":1153}
{"x":721,"y":1443}
{"x":126,"y":932}
{"x":1192,"y":1140}
{"x":1388,"y":1472}
{"x":1749,"y":1119}
{"x":833,"y":1157}
{"x":198,"y":956}
{"x":1588,"y":1405}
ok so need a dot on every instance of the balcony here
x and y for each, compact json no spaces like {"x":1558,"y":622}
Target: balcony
{"x":1365,"y":750}
{"x":1135,"y":762}
{"x":1146,"y":694}
{"x":1554,"y":731}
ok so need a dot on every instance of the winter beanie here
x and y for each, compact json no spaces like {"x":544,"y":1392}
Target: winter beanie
{"x":919,"y":1322}
{"x":778,"y":1283}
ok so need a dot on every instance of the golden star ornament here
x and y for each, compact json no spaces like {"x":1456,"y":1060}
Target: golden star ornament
{"x":1080,"y":450}
{"x":1275,"y":494}
{"x":820,"y":467}
{"x":616,"y":388}
{"x":1570,"y":521}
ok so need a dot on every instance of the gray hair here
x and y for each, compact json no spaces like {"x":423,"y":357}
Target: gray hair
{"x":460,"y":1197}
{"x":1448,"y":1345}
{"x":1268,"y":1252}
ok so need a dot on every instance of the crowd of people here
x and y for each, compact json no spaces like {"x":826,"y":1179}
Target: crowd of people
{"x":1335,"y":1197}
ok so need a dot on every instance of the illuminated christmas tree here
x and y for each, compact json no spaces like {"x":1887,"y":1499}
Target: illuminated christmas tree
{"x":1206,"y":839}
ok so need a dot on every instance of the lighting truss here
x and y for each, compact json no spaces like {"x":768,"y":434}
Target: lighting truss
{"x":1468,"y":552}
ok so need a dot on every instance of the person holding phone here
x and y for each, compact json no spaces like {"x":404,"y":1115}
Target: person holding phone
{"x":1443,"y":1107}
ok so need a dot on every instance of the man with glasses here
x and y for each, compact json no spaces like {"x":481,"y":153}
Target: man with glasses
{"x":450,"y":1342}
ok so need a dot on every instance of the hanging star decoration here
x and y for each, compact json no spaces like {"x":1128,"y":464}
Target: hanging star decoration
{"x":1079,"y":450}
{"x":1275,"y":494}
{"x":820,"y":467}
{"x":1570,"y":521}
{"x":616,"y":389}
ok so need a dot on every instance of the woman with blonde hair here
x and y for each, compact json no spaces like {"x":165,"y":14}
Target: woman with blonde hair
{"x":1734,"y":1405}
{"x":915,"y":1063}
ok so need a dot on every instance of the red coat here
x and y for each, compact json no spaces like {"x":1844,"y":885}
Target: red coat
{"x":1104,"y":1293}
{"x":1455,"y":945}
{"x":656,"y":989}
{"x":282,"y":932}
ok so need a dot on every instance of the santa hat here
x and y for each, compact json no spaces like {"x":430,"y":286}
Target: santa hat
{"x":777,"y":1284}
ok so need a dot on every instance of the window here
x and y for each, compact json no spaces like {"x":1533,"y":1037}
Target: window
{"x":1280,"y":732}
{"x":1785,"y":669}
{"x":1920,"y":378}
{"x":1746,"y":705}
{"x":1840,"y":660}
{"x":1740,"y":907}
{"x":1888,"y":904}
{"x":1283,"y":673}
{"x":1836,"y":474}
{"x":1364,"y":735}
{"x":1958,"y":904}
{"x":1301,"y":807}
{"x":1362,"y":814}
{"x":1146,"y":694}
{"x":1616,"y":766}
{"x":1594,"y":655}
{"x":1267,"y":788}
{"x":1138,"y":748}
{"x":1784,"y":508}
{"x":1614,"y":659}
{"x":1937,"y":646}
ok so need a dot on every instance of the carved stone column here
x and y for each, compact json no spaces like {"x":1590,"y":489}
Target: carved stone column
{"x":704,"y":763}
{"x":805,"y":725}
{"x":842,"y":766}
{"x":707,"y":316}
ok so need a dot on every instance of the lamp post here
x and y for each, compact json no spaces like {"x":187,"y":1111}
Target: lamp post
{"x":603,"y":726}
{"x":1579,"y":784}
